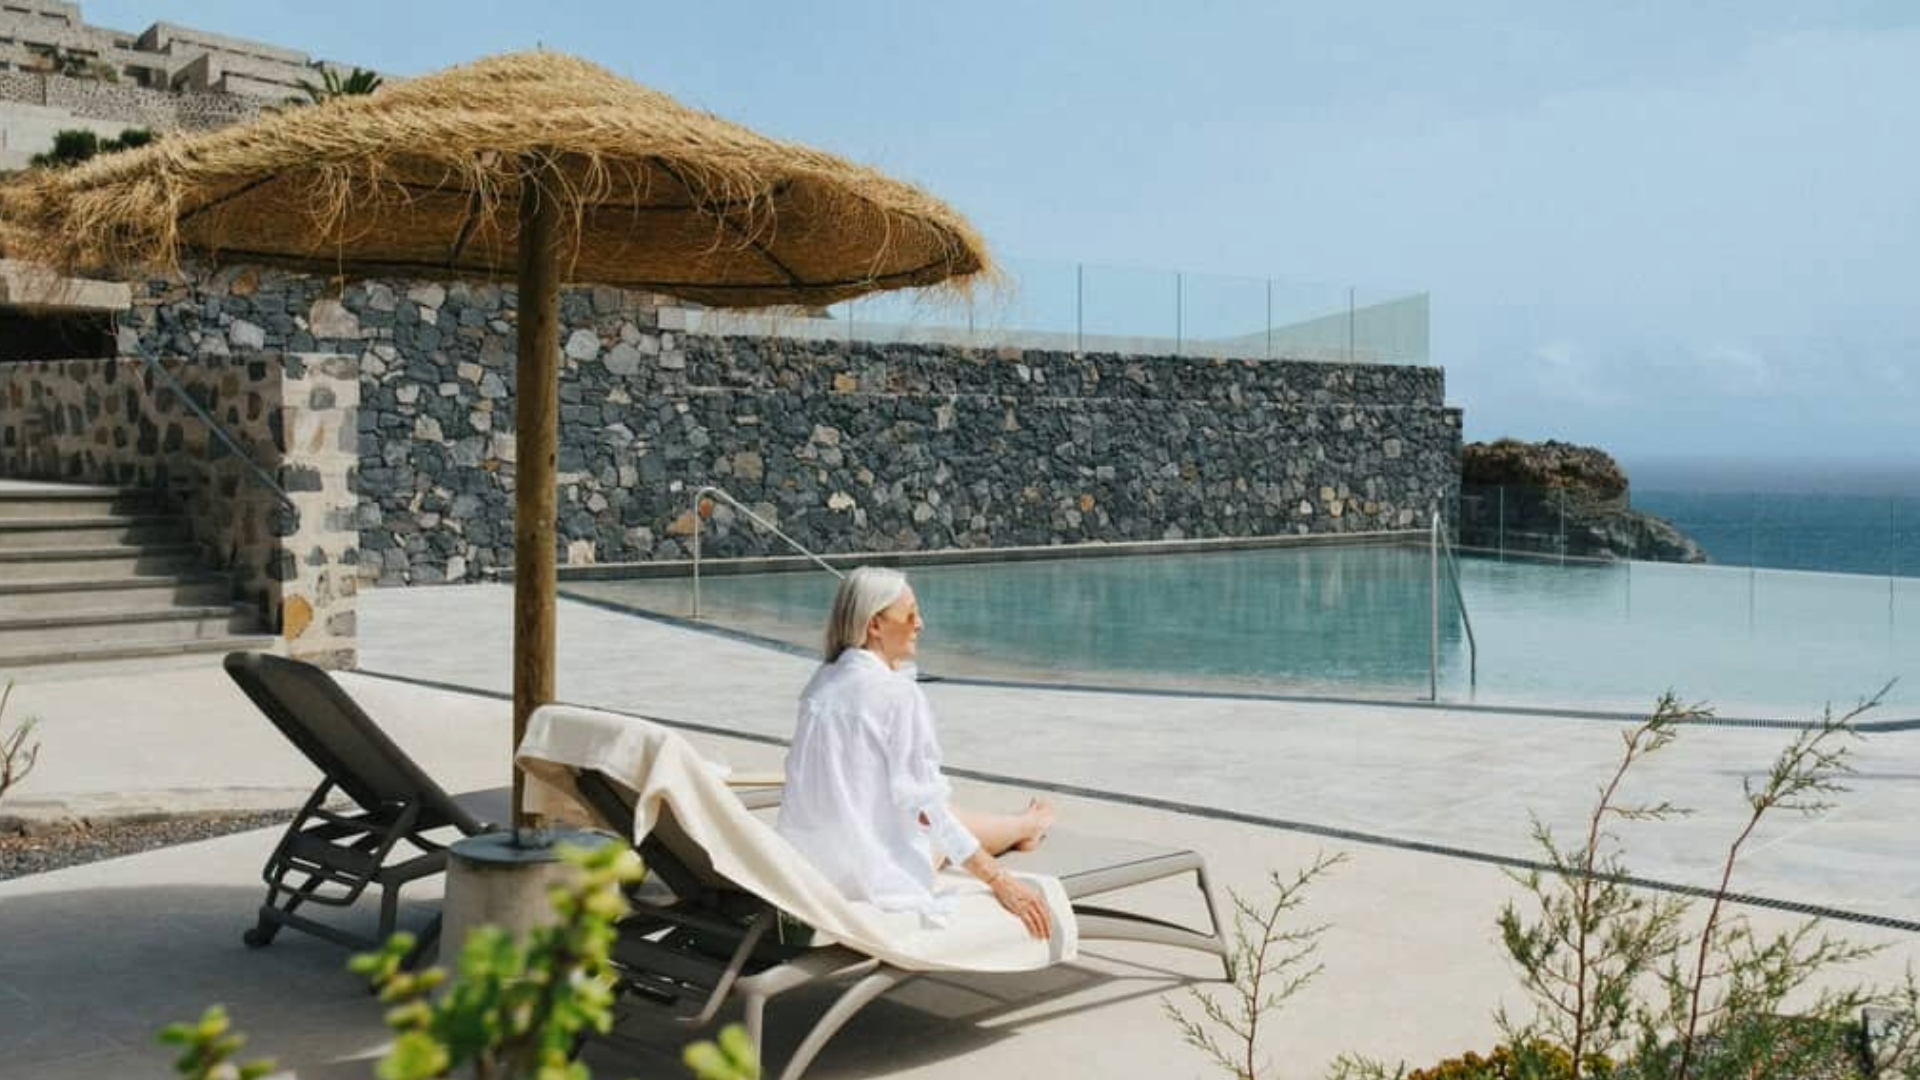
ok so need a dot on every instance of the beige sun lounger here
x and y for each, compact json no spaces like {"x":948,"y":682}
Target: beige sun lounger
{"x":698,"y":937}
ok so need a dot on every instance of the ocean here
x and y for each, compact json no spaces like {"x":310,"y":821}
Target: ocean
{"x":1845,"y":517}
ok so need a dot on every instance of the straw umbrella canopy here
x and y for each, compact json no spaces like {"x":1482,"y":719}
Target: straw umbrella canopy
{"x":538,"y":165}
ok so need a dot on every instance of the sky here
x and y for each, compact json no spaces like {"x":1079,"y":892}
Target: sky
{"x":1676,"y":231}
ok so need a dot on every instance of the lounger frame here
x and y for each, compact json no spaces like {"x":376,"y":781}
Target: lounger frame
{"x":708,"y":943}
{"x":330,"y":856}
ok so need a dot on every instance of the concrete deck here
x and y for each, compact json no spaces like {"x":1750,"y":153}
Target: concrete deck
{"x":95,"y":959}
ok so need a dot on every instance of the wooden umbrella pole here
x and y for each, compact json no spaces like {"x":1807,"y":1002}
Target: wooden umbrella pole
{"x":536,"y":424}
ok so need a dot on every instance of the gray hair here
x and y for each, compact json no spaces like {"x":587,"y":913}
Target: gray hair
{"x":866,"y":592}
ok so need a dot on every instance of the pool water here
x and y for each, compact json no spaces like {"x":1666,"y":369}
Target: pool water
{"x":1354,"y":621}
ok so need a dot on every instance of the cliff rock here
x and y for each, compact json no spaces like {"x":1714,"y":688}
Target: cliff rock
{"x":1558,"y":498}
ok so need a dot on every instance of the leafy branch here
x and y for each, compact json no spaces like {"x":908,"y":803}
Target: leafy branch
{"x":207,"y":1048}
{"x":17,"y":755}
{"x":1269,"y":966}
{"x":331,"y":85}
{"x":1757,"y":975}
{"x":1592,"y":937}
{"x":516,"y":1010}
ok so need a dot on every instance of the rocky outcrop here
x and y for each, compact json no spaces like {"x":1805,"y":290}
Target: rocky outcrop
{"x":1558,"y":498}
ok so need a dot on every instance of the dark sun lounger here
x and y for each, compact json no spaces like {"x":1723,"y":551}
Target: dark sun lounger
{"x":330,"y":855}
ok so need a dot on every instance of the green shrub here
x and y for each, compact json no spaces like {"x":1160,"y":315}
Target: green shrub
{"x":358,"y":83}
{"x":513,"y":1011}
{"x":71,"y":146}
{"x":129,"y":139}
{"x":207,"y":1048}
{"x":1622,"y":987}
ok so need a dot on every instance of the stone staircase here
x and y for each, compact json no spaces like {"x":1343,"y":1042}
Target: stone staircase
{"x":99,"y":573}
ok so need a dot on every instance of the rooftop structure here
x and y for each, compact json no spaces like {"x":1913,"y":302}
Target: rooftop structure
{"x":50,"y":36}
{"x":59,"y":73}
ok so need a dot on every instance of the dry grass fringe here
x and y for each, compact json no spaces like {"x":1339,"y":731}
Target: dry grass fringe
{"x":426,"y":177}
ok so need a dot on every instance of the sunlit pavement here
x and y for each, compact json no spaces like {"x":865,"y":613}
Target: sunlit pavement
{"x":1426,"y":804}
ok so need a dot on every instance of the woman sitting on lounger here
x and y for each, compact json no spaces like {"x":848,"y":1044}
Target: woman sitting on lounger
{"x":865,"y":800}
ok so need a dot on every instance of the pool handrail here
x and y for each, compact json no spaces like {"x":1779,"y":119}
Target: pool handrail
{"x":1437,"y":544}
{"x":700,"y":496}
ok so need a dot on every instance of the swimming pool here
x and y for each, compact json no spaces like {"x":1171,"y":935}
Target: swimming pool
{"x":1353,"y":621}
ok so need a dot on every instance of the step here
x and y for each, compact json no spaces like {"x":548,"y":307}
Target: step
{"x":33,"y":666}
{"x":18,"y":504}
{"x":107,"y":629}
{"x":25,"y":599}
{"x":9,"y":486}
{"x":104,"y":530}
{"x":96,"y":564}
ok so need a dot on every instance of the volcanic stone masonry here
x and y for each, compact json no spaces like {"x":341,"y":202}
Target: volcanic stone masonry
{"x":848,"y":447}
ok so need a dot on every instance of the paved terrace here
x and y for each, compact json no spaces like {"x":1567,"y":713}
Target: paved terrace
{"x":1425,"y":802}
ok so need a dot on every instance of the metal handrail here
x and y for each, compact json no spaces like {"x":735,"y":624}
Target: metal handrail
{"x":259,"y":472}
{"x":1438,"y":543}
{"x":700,"y":495}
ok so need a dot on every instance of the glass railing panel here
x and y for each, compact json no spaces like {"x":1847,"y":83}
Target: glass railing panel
{"x":1356,"y":621}
{"x":1310,"y":321}
{"x":801,"y":324}
{"x":1722,"y":523}
{"x":1389,"y":326}
{"x":1074,"y":307}
{"x":1903,"y":553}
{"x":1519,"y":521}
{"x":1225,"y":317}
{"x":1130,"y":311}
{"x":1034,"y":305}
{"x":916,"y":316}
{"x":1834,"y":533}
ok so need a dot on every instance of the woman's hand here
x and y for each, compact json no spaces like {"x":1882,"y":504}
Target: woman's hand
{"x":1024,"y":902}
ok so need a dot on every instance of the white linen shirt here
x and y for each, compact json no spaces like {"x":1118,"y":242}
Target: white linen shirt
{"x":863,"y":770}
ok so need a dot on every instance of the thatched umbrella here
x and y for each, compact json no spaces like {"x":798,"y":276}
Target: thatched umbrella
{"x":537,"y":163}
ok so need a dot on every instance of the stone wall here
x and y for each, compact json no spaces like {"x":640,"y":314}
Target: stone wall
{"x":113,"y":421}
{"x":849,"y":448}
{"x":131,"y":106}
{"x":862,"y":447}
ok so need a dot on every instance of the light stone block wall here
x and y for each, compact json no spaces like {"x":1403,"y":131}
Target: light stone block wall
{"x":115,"y":421}
{"x":320,"y":403}
{"x":34,"y":105}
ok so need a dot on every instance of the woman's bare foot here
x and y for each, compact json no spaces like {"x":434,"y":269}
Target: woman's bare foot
{"x":1035,"y":821}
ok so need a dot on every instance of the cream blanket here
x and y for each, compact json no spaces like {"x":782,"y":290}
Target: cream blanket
{"x":668,"y":773}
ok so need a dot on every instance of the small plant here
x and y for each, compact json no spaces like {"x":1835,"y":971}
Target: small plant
{"x":358,"y":82}
{"x":1269,"y":966}
{"x":514,"y":1010}
{"x":1592,"y":938}
{"x":71,"y":146}
{"x":1594,"y":942}
{"x":130,"y":139}
{"x":1543,"y":1060}
{"x":728,"y":1058}
{"x":1725,"y":995}
{"x":17,"y":755}
{"x":207,"y":1049}
{"x":1621,"y":987}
